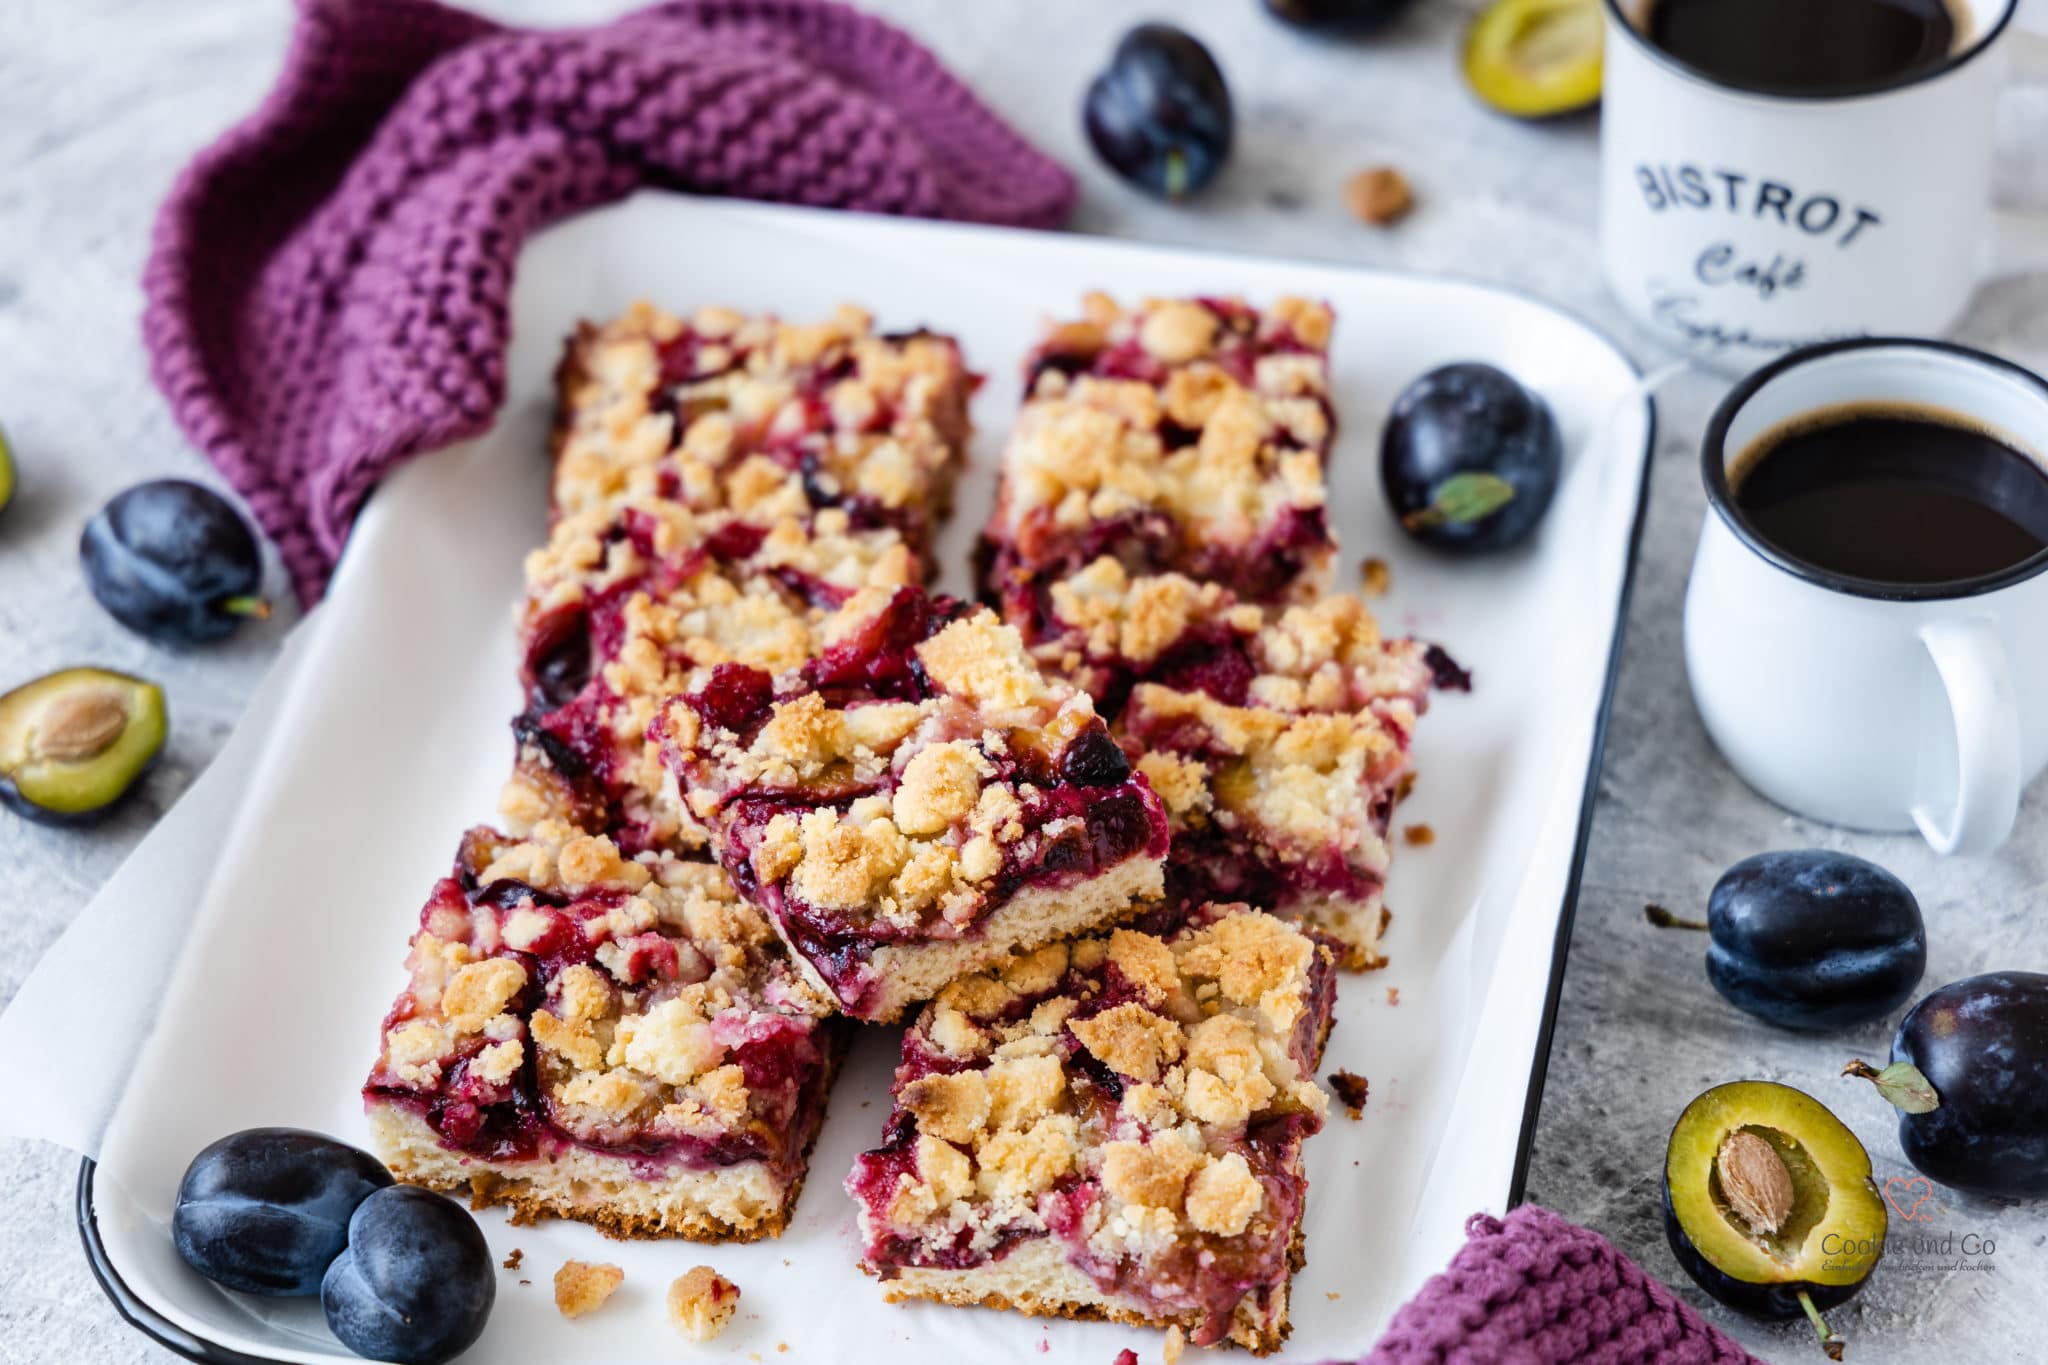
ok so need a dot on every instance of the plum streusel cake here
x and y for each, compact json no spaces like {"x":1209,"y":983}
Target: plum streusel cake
{"x":597,"y":1026}
{"x":1188,"y":435}
{"x":1110,"y":1128}
{"x":718,"y":407}
{"x":917,"y":802}
{"x":615,"y":1040}
{"x":1278,"y":738}
{"x":1160,"y":539}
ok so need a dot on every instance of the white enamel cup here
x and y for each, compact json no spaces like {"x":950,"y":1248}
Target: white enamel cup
{"x":1872,"y":705}
{"x":1737,"y":225}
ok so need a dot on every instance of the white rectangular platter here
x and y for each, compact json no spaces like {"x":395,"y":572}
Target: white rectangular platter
{"x":390,"y":738}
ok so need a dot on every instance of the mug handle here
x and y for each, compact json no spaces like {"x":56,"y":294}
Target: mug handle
{"x":1973,"y":669}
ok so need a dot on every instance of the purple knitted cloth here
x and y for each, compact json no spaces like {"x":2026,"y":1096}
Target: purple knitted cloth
{"x":327,"y":290}
{"x":1533,"y":1289}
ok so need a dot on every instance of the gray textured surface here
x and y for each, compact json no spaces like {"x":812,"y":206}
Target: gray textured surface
{"x":100,"y":101}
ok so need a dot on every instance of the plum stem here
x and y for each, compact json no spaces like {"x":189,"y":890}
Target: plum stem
{"x":1462,"y":500}
{"x":1664,"y":919}
{"x":1830,"y":1341}
{"x":1901,"y":1084}
{"x":1176,"y":173}
{"x":257,"y":607}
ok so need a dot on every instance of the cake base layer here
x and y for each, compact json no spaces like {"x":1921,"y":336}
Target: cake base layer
{"x":739,"y":1203}
{"x":1037,"y":1279}
{"x":899,"y":976}
{"x":1353,"y":927}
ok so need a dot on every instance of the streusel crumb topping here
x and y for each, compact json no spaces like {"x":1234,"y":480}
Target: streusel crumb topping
{"x":1302,"y":776}
{"x":1075,"y":452}
{"x":701,"y":1302}
{"x":1132,"y":1062}
{"x":983,"y":660}
{"x":582,"y":1287}
{"x":911,"y":809}
{"x":638,"y":984}
{"x":1138,"y":619}
{"x":1215,"y":418}
{"x":704,"y":408}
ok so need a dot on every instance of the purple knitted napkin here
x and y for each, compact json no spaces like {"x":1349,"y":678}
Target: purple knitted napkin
{"x":327,"y":290}
{"x":1533,"y":1289}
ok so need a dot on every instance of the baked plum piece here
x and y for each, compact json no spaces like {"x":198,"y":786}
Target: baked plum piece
{"x":627,"y":605}
{"x":917,"y":803}
{"x":1110,"y":1128}
{"x":616,"y":1040}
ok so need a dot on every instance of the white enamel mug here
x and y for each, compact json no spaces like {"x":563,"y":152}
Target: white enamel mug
{"x":1878,"y":706}
{"x":1738,"y":225}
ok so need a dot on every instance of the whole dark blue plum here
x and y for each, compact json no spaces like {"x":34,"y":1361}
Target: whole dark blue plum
{"x":416,"y":1283}
{"x":1981,"y":1047}
{"x":1351,"y":16}
{"x":267,"y":1210}
{"x":1470,"y":458}
{"x":1810,"y":939}
{"x":1160,"y":113}
{"x":174,"y":562}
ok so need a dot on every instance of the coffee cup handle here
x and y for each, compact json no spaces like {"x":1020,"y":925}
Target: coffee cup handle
{"x":1973,"y":669}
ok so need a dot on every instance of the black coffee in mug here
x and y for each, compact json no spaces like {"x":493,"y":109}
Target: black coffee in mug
{"x":1893,"y":494}
{"x":1806,"y":47}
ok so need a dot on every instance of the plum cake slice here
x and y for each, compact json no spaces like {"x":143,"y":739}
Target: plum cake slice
{"x":1187,"y":436}
{"x":1278,"y":738}
{"x":723,"y":406}
{"x":916,"y":803}
{"x":628,"y":604}
{"x":1110,"y":1128}
{"x":620,"y":1041}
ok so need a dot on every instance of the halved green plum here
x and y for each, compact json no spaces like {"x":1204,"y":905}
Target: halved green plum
{"x":1769,"y":1204}
{"x":1536,"y":58}
{"x":74,"y":742}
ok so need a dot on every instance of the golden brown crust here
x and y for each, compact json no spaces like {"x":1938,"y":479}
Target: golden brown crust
{"x":912,"y":1286}
{"x":486,"y":1191}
